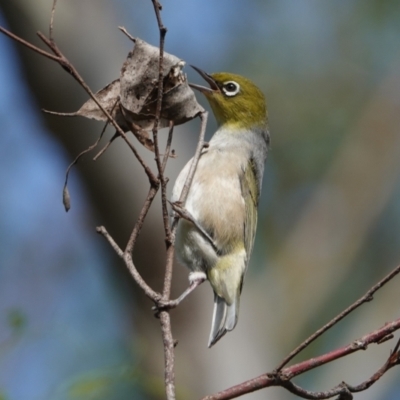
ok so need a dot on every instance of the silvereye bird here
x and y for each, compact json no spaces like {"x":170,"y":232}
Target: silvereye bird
{"x":216,"y":240}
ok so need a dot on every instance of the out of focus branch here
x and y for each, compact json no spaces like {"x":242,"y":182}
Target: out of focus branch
{"x":364,"y":299}
{"x":283,"y":376}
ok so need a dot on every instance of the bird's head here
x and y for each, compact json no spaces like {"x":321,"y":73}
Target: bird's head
{"x":235,"y":101}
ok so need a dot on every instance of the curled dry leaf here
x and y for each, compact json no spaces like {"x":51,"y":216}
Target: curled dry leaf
{"x":132,"y":99}
{"x":139,"y":86}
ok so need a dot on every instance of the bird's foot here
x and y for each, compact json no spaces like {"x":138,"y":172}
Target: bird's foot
{"x":164,"y":305}
{"x":196,"y":278}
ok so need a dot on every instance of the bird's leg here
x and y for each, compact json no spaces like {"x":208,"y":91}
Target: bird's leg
{"x":195,"y":279}
{"x":185,"y":214}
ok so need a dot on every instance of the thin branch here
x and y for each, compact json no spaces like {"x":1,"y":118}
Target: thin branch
{"x":67,"y":205}
{"x":30,"y":45}
{"x":307,"y":394}
{"x":150,"y":293}
{"x":139,"y":223}
{"x":344,"y":390}
{"x":393,"y":360}
{"x":364,"y":299}
{"x":103,"y":231}
{"x":53,"y":11}
{"x":200,"y":145}
{"x":160,"y":92}
{"x":169,"y":354}
{"x":104,"y":149}
{"x":74,"y":73}
{"x":356,"y":345}
{"x":167,"y":151}
{"x":165,"y":320}
{"x":123,"y":30}
{"x":170,"y":242}
{"x":286,"y":374}
{"x":157,"y":8}
{"x":63,"y":61}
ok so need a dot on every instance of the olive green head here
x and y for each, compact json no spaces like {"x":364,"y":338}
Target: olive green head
{"x":235,"y":101}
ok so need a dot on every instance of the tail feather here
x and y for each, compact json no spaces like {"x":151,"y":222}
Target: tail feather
{"x":224,"y":318}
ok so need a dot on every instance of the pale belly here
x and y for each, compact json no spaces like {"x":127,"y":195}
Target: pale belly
{"x":215,"y":201}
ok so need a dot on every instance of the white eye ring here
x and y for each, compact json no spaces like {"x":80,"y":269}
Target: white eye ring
{"x":231,"y":88}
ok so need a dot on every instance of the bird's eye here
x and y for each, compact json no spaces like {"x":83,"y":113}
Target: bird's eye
{"x":231,"y":88}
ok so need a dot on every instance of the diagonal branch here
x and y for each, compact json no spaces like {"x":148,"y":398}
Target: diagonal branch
{"x":67,"y":66}
{"x":53,"y":11}
{"x":30,"y":45}
{"x":364,"y":299}
{"x":285,"y":375}
{"x":200,"y":146}
{"x":282,"y":376}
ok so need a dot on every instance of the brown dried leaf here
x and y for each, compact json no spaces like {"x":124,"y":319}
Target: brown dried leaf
{"x":108,"y":97}
{"x":132,"y":99}
{"x":139,"y":88}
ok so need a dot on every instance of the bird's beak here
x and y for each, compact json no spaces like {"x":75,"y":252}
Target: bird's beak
{"x":208,"y":78}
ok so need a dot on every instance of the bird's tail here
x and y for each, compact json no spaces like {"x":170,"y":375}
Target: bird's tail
{"x":224,"y":319}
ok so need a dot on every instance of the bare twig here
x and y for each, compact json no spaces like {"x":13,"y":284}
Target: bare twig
{"x":29,"y":45}
{"x":53,"y":11}
{"x":356,"y":345}
{"x":285,"y":375}
{"x":393,"y":360}
{"x":344,"y":390}
{"x":91,"y":147}
{"x":104,"y":149}
{"x":340,"y":390}
{"x":67,"y":66}
{"x":150,"y":293}
{"x":282,"y":377}
{"x":165,"y":321}
{"x":123,"y":30}
{"x":139,"y":223}
{"x":170,"y":242}
{"x":167,"y":151}
{"x":103,"y":231}
{"x":364,"y":299}
{"x":74,"y":73}
{"x":195,"y":160}
{"x":160,"y":90}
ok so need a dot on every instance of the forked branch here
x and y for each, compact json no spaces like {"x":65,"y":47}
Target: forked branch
{"x":282,"y":376}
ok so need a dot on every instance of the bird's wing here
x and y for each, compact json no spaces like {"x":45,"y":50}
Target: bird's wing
{"x":250,"y":193}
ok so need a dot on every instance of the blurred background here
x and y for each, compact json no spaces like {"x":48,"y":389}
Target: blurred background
{"x":72,"y":323}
